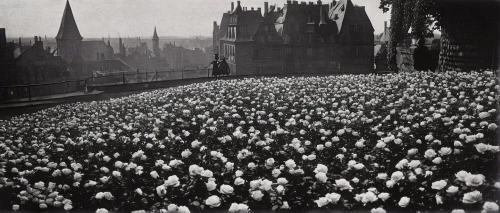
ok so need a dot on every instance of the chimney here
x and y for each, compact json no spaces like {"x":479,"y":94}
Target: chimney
{"x":303,"y":3}
{"x":20,"y":43}
{"x":266,"y":7}
{"x":3,"y":38}
{"x":295,"y":2}
{"x":288,"y":2}
{"x":232,"y":6}
{"x":385,"y":25}
{"x":319,"y":3}
{"x":258,"y":9}
{"x":252,"y":8}
{"x":311,"y":3}
{"x":36,"y":39}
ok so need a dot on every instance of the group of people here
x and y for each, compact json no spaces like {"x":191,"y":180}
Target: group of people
{"x":219,"y":67}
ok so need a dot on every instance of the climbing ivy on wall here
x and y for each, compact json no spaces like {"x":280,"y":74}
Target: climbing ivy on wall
{"x":418,"y":15}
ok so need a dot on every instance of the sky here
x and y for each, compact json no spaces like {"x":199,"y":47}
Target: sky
{"x":100,"y":18}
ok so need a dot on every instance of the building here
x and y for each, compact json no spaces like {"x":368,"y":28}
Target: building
{"x":179,"y":57}
{"x":37,"y":65}
{"x":7,"y":64}
{"x":82,"y":55}
{"x":298,"y":38}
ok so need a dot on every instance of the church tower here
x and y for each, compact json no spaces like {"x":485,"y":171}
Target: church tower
{"x":68,"y":38}
{"x":156,"y":44}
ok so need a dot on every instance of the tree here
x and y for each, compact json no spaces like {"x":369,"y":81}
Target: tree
{"x":469,"y":30}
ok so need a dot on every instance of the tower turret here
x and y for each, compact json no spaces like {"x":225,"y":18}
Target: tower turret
{"x":68,"y":38}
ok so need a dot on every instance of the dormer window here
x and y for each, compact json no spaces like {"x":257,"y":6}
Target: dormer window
{"x":342,"y":8}
{"x":336,"y":17}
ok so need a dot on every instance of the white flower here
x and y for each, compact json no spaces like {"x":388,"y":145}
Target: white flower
{"x":397,"y":176}
{"x":161,"y":190}
{"x":452,"y":190}
{"x":322,"y":201}
{"x":154,"y":174}
{"x":378,"y":210}
{"x":390,"y":183}
{"x":238,"y":173}
{"x":438,"y":185}
{"x":257,"y":195}
{"x":321,"y":177}
{"x":359,"y":166}
{"x":430,"y":153}
{"x":234,"y":207}
{"x":211,"y":185}
{"x":243,"y":208}
{"x":239,"y":181}
{"x":280,"y":189}
{"x":251,"y":165}
{"x":213,"y":201}
{"x":285,"y":205}
{"x":404,"y":202}
{"x":183,"y":209}
{"x":472,"y":197}
{"x":462,"y":175}
{"x":439,"y":199}
{"x":265,"y":185}
{"x":290,"y":164}
{"x":172,"y":208}
{"x":226,"y":189}
{"x":186,"y":153}
{"x":474,"y":180}
{"x":333,"y":197}
{"x":207,"y":173}
{"x":384,"y":196}
{"x":321,"y":168}
{"x":282,"y":181}
{"x":343,"y":184}
{"x":414,"y":164}
{"x":15,"y":207}
{"x":458,"y":211}
{"x":138,"y":191}
{"x":172,"y":181}
{"x":490,"y":207}
{"x":101,"y":210}
{"x":382,"y":176}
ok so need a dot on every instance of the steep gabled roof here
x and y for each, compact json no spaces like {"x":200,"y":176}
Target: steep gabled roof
{"x":155,"y":35}
{"x":68,"y":29}
{"x":224,"y":23}
{"x":338,"y":12}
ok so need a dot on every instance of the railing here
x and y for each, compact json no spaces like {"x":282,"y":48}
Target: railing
{"x":131,"y":78}
{"x":28,"y":93}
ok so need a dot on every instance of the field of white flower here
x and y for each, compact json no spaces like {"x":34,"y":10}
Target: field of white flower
{"x":395,"y":143}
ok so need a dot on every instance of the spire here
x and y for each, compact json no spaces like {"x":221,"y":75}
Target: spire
{"x":155,"y":35}
{"x":68,"y":29}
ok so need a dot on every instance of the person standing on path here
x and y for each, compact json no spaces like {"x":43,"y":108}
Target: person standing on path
{"x":215,"y":66}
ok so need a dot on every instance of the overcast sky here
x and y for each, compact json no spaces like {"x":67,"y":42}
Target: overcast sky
{"x":98,"y":18}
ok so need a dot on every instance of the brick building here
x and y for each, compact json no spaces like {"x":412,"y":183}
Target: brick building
{"x":298,"y":38}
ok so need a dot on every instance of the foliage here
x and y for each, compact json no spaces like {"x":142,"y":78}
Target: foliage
{"x":422,"y":16}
